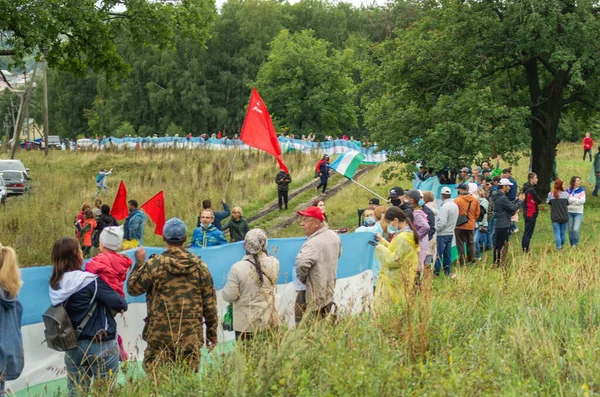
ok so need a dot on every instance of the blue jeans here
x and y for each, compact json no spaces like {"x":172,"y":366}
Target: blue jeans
{"x":560,"y":230}
{"x":480,"y":241}
{"x":444,"y":252}
{"x":574,"y":227}
{"x":91,"y":359}
{"x":491,"y":231}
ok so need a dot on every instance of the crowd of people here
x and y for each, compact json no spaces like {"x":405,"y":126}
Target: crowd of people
{"x":411,"y":235}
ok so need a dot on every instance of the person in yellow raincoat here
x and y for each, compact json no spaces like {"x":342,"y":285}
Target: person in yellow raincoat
{"x":399,"y":259}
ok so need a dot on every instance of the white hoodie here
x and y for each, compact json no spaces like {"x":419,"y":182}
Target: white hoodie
{"x":71,"y":283}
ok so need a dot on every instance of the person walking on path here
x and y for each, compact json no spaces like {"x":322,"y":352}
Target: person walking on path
{"x":283,"y":180}
{"x":588,"y":144}
{"x":399,"y":260}
{"x":81,"y":293}
{"x":559,"y":212}
{"x":237,"y":225}
{"x":317,"y":262}
{"x":12,"y":359}
{"x":597,"y":172}
{"x":219,"y":216}
{"x":250,"y":288}
{"x":101,"y":181}
{"x":530,"y":209}
{"x":468,"y":210}
{"x":324,"y":172}
{"x":576,"y":201}
{"x":180,"y":300}
{"x":503,"y":211}
{"x":134,"y":224}
{"x":207,"y":235}
{"x":446,"y":223}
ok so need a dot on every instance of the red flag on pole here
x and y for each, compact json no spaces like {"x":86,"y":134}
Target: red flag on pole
{"x":258,"y":130}
{"x":155,"y":208}
{"x":119,"y":208}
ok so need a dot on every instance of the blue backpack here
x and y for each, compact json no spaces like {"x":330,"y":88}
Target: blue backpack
{"x":99,"y":178}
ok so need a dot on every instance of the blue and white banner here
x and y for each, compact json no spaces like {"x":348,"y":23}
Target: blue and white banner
{"x":45,"y":369}
{"x":340,"y":146}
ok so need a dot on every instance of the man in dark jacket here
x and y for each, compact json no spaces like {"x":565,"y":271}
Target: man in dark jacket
{"x":324,"y":174}
{"x":180,"y":300}
{"x":530,"y":209}
{"x":396,"y":197}
{"x":219,"y":215}
{"x":512,"y":195}
{"x":283,"y":180}
{"x":504,"y":209}
{"x":104,"y":220}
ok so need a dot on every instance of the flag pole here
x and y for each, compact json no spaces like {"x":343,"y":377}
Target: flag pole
{"x":229,"y":173}
{"x":363,"y":186}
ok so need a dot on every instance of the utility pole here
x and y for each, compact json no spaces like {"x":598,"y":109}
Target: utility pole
{"x":27,"y":108}
{"x":46,"y":129}
{"x":7,"y":131}
{"x":24,"y":105}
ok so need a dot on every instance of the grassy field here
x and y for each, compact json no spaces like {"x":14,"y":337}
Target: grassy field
{"x":530,"y":328}
{"x":63,"y":181}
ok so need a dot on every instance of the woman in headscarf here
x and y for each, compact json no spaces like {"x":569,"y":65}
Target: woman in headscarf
{"x":251,"y":287}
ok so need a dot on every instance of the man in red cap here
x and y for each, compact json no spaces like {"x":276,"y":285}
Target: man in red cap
{"x":317,"y":262}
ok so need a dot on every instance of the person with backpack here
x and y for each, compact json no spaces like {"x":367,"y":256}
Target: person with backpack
{"x":104,"y":220}
{"x":530,"y":209}
{"x":80,"y":321}
{"x":101,"y":181}
{"x":468,"y":207}
{"x":12,"y":359}
{"x":250,"y":287}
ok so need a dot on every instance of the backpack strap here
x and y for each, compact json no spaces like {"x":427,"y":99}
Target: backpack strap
{"x":90,"y":312}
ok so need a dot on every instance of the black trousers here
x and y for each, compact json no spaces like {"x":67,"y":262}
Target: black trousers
{"x":501,"y":244}
{"x":282,"y":198}
{"x":585,"y":152}
{"x":528,"y":233}
{"x":323,"y":183}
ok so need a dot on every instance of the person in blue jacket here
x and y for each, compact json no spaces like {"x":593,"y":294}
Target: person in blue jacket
{"x":219,"y":215}
{"x":207,"y":235}
{"x":134,"y":224}
{"x":11,"y":315}
{"x":97,"y":351}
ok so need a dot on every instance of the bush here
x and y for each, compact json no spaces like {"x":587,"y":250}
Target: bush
{"x":173,"y":129}
{"x":126,"y":128}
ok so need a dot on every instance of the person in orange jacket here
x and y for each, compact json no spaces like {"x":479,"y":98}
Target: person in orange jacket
{"x":468,"y":209}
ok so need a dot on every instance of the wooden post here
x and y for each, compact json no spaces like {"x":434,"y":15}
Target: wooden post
{"x":26,"y":110}
{"x":24,"y":105}
{"x":46,"y":129}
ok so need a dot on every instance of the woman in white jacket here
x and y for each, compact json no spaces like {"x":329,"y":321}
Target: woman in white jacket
{"x":576,"y":201}
{"x":251,"y":287}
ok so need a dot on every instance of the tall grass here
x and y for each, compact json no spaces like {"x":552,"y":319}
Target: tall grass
{"x":64,"y":180}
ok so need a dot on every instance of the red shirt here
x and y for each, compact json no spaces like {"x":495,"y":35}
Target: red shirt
{"x":588,"y":143}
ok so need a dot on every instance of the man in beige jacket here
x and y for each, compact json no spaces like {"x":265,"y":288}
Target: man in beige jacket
{"x":317,"y":262}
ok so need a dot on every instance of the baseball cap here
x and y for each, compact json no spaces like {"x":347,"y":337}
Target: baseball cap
{"x":396,"y":192}
{"x":462,"y":186}
{"x":174,"y":231}
{"x":505,"y":182}
{"x":464,"y":169}
{"x":414,"y":194}
{"x":374,"y":201}
{"x":313,"y":212}
{"x":445,"y":190}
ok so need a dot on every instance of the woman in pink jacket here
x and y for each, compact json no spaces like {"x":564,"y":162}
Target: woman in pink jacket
{"x":415,"y":199}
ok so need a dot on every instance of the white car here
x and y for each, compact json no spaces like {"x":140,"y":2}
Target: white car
{"x":84,"y":143}
{"x":15,"y":176}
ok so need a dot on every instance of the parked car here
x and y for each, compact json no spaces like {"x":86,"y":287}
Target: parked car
{"x":17,"y":165}
{"x":3,"y":192}
{"x":17,"y":182}
{"x":84,"y":143}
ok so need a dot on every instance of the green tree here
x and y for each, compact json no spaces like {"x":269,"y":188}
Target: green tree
{"x":79,"y":35}
{"x":126,"y":128}
{"x":307,"y":85}
{"x":485,"y":77}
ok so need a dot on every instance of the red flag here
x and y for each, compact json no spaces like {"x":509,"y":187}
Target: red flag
{"x":119,"y":208}
{"x":258,"y":130}
{"x":155,"y":208}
